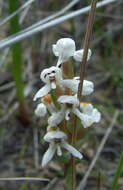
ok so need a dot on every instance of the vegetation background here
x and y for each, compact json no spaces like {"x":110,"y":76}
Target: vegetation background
{"x":21,"y":142}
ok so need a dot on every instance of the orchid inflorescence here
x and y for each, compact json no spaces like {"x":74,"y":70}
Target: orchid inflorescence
{"x":66,"y":103}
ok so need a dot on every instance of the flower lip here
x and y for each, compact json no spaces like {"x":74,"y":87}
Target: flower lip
{"x":52,"y":78}
{"x":51,"y":73}
{"x":55,"y":135}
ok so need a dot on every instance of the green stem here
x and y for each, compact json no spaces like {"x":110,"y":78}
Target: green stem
{"x":16,"y":53}
{"x":17,"y":62}
{"x":54,"y":98}
{"x":118,"y":173}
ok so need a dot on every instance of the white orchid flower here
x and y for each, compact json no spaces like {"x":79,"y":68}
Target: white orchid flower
{"x":57,"y":140}
{"x":52,"y":77}
{"x":88,"y":116}
{"x":70,"y":105}
{"x":73,"y":84}
{"x":41,"y":110}
{"x":91,"y":114}
{"x":56,"y":118}
{"x":65,"y":48}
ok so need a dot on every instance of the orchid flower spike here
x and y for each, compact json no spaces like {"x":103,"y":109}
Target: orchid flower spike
{"x":65,"y":48}
{"x":57,"y":140}
{"x":51,"y":77}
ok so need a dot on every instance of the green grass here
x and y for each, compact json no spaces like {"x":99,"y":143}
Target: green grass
{"x":117,"y":173}
{"x":16,"y":51}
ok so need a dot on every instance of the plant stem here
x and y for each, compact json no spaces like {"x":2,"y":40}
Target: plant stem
{"x":118,"y":173}
{"x":86,"y":45}
{"x":74,"y":135}
{"x":82,"y":73}
{"x":17,"y":61}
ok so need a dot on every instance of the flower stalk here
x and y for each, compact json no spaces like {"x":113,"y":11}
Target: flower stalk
{"x":86,"y":45}
{"x":82,"y":75}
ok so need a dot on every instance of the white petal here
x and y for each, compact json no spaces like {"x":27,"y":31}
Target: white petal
{"x":58,"y":75}
{"x":50,"y":136}
{"x":68,"y":99}
{"x":96,"y":116}
{"x":55,"y":51}
{"x":59,"y":151}
{"x":60,"y":61}
{"x":78,"y":55}
{"x":72,"y":150}
{"x":53,"y":85}
{"x":76,"y":78}
{"x":41,"y":110}
{"x":42,"y":92}
{"x":71,"y":84}
{"x":87,"y":108}
{"x":44,"y":75}
{"x":56,"y":118}
{"x":48,"y":155}
{"x":65,"y":47}
{"x":77,"y":113}
{"x":85,"y":119}
{"x":88,"y":87}
{"x":89,"y":54}
{"x":93,"y":113}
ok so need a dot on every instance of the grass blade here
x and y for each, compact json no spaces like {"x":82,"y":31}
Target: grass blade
{"x":17,"y":61}
{"x":118,"y":173}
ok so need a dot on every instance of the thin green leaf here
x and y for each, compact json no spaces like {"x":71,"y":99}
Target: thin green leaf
{"x":118,"y":173}
{"x":16,"y":52}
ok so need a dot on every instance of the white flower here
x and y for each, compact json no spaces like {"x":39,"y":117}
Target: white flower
{"x":41,"y":110}
{"x":65,"y":48}
{"x":88,"y":86}
{"x":70,"y":105}
{"x":57,"y":140}
{"x":52,"y":77}
{"x":91,"y":115}
{"x":56,"y":118}
{"x":88,"y":116}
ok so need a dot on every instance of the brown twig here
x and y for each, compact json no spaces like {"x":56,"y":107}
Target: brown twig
{"x":82,"y":73}
{"x":86,"y":46}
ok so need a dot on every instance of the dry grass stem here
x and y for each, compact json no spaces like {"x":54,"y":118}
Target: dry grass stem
{"x":24,"y":179}
{"x":86,"y":46}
